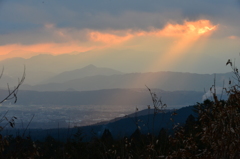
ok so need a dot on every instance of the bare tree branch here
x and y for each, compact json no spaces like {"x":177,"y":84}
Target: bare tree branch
{"x":13,"y":93}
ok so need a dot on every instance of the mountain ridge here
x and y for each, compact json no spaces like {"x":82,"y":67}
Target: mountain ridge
{"x":89,"y":70}
{"x":169,"y":81}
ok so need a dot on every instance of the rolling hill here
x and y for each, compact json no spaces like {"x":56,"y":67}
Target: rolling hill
{"x":87,"y":71}
{"x":169,"y":81}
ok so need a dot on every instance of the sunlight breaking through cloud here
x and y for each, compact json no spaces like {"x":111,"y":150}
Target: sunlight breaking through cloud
{"x":189,"y":28}
{"x":67,"y":40}
{"x":187,"y":34}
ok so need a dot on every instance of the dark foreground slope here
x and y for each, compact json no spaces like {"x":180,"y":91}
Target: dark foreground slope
{"x":120,"y":127}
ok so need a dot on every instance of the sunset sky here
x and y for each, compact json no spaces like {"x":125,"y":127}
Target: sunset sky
{"x":172,"y":35}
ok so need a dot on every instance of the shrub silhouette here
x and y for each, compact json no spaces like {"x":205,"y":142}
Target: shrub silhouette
{"x":216,"y":134}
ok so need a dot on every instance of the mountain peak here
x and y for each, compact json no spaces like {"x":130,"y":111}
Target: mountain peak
{"x":91,"y":66}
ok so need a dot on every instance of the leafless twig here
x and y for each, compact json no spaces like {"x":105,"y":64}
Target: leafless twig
{"x":12,"y":94}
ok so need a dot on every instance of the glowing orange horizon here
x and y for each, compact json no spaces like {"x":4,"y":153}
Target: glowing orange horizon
{"x":52,"y":48}
{"x":186,"y":34}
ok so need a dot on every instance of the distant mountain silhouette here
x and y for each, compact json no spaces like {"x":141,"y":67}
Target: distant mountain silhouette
{"x":114,"y":97}
{"x":87,"y":71}
{"x":169,"y":81}
{"x":8,"y":80}
{"x":42,"y":67}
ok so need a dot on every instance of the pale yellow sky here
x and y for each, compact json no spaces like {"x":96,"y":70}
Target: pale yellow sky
{"x":157,"y":36}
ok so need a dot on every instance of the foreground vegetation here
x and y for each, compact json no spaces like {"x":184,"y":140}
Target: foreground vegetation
{"x":215,"y":133}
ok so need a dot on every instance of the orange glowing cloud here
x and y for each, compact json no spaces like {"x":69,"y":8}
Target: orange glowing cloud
{"x":187,"y":34}
{"x":53,"y":48}
{"x":189,"y":28}
{"x":108,"y":38}
{"x":70,"y":39}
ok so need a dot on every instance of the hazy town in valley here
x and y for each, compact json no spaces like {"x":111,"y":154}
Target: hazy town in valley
{"x":119,"y":79}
